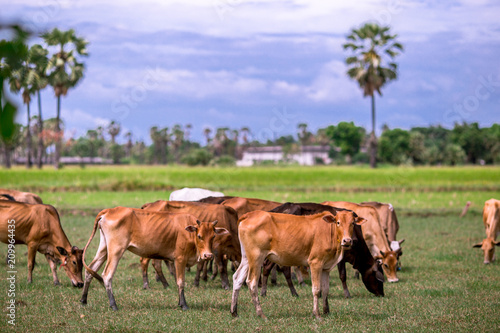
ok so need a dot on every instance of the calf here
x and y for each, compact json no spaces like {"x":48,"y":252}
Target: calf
{"x":38,"y":226}
{"x":491,"y":221}
{"x":316,"y":240}
{"x":226,"y":244}
{"x":358,"y":255}
{"x":180,"y":238}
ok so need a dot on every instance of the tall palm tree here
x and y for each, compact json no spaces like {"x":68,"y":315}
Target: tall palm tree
{"x":372,"y":46}
{"x":207,"y":131}
{"x":114,"y":129}
{"x":31,"y":79}
{"x":65,"y":69}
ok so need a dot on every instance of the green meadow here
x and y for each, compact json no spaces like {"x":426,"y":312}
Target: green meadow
{"x":444,"y":286}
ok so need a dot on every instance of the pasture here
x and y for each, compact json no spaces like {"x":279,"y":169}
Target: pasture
{"x":444,"y":286}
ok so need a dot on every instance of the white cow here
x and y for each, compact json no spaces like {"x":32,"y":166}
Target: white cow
{"x":193,"y":194}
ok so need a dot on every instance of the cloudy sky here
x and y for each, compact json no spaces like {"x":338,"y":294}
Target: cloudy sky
{"x":268,"y":65}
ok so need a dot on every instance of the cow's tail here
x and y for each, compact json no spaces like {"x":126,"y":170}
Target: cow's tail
{"x":90,"y":270}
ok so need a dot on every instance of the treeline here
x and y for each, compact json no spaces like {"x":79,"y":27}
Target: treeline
{"x":466,"y":143}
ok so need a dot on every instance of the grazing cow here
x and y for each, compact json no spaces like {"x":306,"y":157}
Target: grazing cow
{"x":317,"y":241}
{"x":39,"y":227}
{"x":25,"y":197}
{"x":491,"y":220}
{"x":374,"y":236}
{"x":180,"y":238}
{"x":358,"y":255}
{"x":193,"y":194}
{"x":226,"y":244}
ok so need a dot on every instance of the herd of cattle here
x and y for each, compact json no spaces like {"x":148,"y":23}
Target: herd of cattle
{"x":254,"y":234}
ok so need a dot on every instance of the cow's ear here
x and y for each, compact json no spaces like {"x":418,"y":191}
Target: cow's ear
{"x":360,"y":220}
{"x":478,"y":245}
{"x":191,"y":228}
{"x":401,"y":241}
{"x":382,"y":253}
{"x":497,"y":243}
{"x":329,"y":219}
{"x":198,"y":222}
{"x":221,"y":231}
{"x":74,"y":249}
{"x":380,"y":276}
{"x":214,"y":223}
{"x":62,"y":251}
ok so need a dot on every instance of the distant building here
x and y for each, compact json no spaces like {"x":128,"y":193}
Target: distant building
{"x":308,"y":155}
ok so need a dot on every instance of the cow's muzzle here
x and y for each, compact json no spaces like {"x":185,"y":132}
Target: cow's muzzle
{"x":347,"y":243}
{"x":207,"y":256}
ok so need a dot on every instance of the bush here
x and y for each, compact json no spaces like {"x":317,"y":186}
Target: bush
{"x":197,"y":157}
{"x":224,"y":160}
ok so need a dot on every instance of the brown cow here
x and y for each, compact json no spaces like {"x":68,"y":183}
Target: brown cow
{"x":215,"y":200}
{"x":225,"y":244}
{"x":374,"y":236}
{"x":317,"y":241}
{"x":491,"y":220}
{"x":19,"y":196}
{"x":358,"y":255}
{"x":180,"y":238}
{"x":38,"y":226}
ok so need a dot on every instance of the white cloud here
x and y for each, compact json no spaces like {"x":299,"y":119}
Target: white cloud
{"x":77,"y":122}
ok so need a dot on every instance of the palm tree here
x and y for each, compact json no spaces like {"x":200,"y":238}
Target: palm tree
{"x":114,"y":129}
{"x":371,"y":47}
{"x":304,"y":135}
{"x":245,"y":131}
{"x":207,"y":131}
{"x":65,"y":69}
{"x":30,"y":78}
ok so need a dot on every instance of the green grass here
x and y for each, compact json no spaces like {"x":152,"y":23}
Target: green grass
{"x":444,"y":286}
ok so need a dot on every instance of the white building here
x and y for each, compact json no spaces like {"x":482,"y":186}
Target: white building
{"x":308,"y":155}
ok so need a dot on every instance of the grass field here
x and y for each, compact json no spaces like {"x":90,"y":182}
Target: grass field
{"x":444,"y":286}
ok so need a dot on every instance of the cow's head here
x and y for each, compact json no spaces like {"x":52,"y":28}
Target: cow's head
{"x":344,"y":220}
{"x":373,"y":279}
{"x":204,"y":238}
{"x":73,"y":265}
{"x":389,"y":261}
{"x":488,"y":247}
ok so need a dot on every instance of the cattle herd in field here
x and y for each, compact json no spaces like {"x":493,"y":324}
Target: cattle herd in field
{"x":255,"y":235}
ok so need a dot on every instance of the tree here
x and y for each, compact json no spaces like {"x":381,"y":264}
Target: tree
{"x":395,"y":146}
{"x":114,"y":129}
{"x":65,"y":69}
{"x":347,"y":137}
{"x":371,"y":47}
{"x":304,"y":135}
{"x":471,"y":138}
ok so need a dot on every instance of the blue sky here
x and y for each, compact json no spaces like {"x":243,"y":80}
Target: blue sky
{"x":269,"y":65}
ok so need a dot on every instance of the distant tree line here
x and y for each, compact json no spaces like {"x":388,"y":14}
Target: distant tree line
{"x":465,"y":143}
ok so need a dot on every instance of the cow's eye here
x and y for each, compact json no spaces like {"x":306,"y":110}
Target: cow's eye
{"x":74,"y":262}
{"x":199,"y":236}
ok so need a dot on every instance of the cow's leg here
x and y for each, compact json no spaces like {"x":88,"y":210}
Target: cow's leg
{"x":287,"y":272}
{"x":31,"y":260}
{"x":266,"y":270}
{"x":316,"y":270}
{"x":53,"y":268}
{"x":219,"y":260}
{"x":95,"y":265}
{"x":274,"y":275}
{"x":180,"y":269}
{"x":325,"y":289}
{"x":199,"y":268}
{"x":239,"y":278}
{"x":109,"y":271}
{"x":299,"y":275}
{"x":159,"y":273}
{"x":255,"y":261}
{"x":144,"y":268}
{"x":204,"y":275}
{"x":343,"y":278}
{"x":215,"y":270}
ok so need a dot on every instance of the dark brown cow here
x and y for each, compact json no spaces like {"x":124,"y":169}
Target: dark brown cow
{"x":215,"y":200}
{"x":224,"y":245}
{"x":317,"y":241}
{"x":358,"y":255}
{"x":180,"y":238}
{"x":19,"y":196}
{"x":491,"y":221}
{"x":38,"y":226}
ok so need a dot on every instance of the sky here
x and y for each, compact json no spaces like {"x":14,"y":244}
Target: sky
{"x":268,"y":65}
